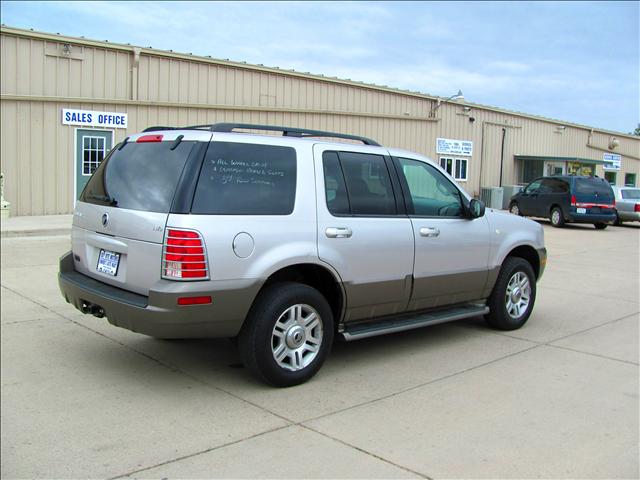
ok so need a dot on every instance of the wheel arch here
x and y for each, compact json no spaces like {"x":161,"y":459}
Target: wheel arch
{"x":320,"y":277}
{"x":528,"y":253}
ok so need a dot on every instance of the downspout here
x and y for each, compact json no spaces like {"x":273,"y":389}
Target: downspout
{"x":504,"y":134}
{"x":134,"y":73}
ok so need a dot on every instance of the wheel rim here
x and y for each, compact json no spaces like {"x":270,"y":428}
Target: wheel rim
{"x":555,"y":217}
{"x":296,"y":337}
{"x":515,"y":210}
{"x":518,"y":295}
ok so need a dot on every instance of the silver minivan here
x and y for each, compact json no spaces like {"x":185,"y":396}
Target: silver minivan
{"x":287,"y":241}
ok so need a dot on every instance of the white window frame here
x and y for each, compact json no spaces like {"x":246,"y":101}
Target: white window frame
{"x":94,"y":151}
{"x":455,"y":162}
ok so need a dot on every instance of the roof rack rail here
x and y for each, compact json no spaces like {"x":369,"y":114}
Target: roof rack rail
{"x":289,"y":131}
{"x":157,"y":128}
{"x":286,"y":131}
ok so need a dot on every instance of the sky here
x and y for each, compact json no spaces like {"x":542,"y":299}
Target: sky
{"x":574,"y":61}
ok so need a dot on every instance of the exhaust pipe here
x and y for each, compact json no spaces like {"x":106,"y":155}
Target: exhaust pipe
{"x":95,"y":310}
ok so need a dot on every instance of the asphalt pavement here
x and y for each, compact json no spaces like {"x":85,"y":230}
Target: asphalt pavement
{"x":555,"y":399}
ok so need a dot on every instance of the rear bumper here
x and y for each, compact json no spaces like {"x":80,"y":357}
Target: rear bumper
{"x":629,"y":216}
{"x":158,"y":315}
{"x":591,"y":217}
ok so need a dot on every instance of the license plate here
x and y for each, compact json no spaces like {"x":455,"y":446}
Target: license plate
{"x":595,"y":210}
{"x":108,"y":262}
{"x":581,"y":210}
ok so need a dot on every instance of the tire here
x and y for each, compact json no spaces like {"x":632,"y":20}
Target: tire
{"x":556,"y":217}
{"x":504,"y":314}
{"x":515,"y":209}
{"x":600,"y":226}
{"x":617,"y":222}
{"x":275,"y":326}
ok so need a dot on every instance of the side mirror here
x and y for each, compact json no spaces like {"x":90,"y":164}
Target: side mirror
{"x":476,"y":208}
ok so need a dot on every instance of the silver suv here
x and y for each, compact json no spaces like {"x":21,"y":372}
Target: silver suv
{"x":287,"y":241}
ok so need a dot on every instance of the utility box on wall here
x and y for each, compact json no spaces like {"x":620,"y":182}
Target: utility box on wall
{"x":492,"y":196}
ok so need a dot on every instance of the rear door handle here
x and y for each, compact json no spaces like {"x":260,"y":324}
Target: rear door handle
{"x":338,"y":232}
{"x":429,"y":232}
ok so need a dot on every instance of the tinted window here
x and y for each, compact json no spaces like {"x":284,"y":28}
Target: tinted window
{"x":246,"y":179}
{"x":368,"y":184}
{"x":630,"y":194}
{"x":140,"y":176}
{"x":432,"y":194}
{"x":335,"y":189}
{"x":533,"y":187}
{"x":555,"y":185}
{"x":591,"y":186}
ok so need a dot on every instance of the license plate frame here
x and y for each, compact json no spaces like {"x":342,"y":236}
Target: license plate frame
{"x":108,"y":262}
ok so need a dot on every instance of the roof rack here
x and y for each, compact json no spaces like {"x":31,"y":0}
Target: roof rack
{"x":286,"y":131}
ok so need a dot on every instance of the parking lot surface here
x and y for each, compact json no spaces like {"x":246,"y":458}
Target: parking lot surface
{"x":558,"y":398}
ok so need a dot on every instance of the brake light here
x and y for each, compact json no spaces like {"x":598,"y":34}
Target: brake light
{"x":149,"y":138}
{"x":636,"y":207}
{"x":573,"y":200}
{"x":184,"y":256}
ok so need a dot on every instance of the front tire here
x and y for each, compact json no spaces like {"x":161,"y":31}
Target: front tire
{"x":617,"y":222}
{"x":515,"y":209}
{"x":600,"y":226}
{"x":513,"y":295}
{"x":287,"y":335}
{"x":556,"y":217}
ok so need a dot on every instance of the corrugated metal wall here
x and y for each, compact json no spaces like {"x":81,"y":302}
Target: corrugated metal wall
{"x":39,"y":78}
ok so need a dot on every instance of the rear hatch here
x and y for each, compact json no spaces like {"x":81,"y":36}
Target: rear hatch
{"x":593,"y":195}
{"x":120,"y":218}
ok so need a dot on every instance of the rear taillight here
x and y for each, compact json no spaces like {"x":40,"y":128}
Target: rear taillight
{"x":573,"y":200}
{"x":184,"y":256}
{"x":636,"y":207}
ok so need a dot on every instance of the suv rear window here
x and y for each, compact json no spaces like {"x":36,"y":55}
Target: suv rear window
{"x":140,"y":176}
{"x":591,"y":186}
{"x":246,"y":179}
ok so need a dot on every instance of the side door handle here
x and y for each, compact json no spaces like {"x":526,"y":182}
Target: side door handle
{"x":429,"y":232}
{"x":338,"y":232}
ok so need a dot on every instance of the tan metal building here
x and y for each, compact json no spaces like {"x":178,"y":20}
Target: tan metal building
{"x":65,"y":101}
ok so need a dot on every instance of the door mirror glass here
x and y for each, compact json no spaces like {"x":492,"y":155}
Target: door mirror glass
{"x":476,"y":208}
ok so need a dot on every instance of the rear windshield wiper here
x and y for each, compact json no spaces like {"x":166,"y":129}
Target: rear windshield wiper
{"x":104,"y":198}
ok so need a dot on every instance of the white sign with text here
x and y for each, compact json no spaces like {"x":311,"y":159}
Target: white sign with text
{"x":612,"y":161}
{"x":90,"y":118}
{"x":454,"y":147}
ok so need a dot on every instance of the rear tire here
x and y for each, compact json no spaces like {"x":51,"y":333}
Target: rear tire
{"x":287,"y":335}
{"x":556,"y":217}
{"x":514,"y":208}
{"x":513,"y":295}
{"x":600,"y":226}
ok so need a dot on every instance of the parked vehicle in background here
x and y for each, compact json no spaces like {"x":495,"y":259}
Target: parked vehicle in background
{"x":627,"y":204}
{"x":564,"y":199}
{"x":284,"y":242}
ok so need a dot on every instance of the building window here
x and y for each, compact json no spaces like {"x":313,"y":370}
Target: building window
{"x":93,"y":152}
{"x":456,"y":167}
{"x":630,"y":179}
{"x":610,"y":177}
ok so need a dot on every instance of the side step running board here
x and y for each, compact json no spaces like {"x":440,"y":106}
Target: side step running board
{"x":382,"y":327}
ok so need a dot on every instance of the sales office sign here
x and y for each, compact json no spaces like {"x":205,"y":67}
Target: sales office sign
{"x":90,"y":118}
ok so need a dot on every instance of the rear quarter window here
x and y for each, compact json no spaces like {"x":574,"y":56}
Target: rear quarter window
{"x":246,"y":179}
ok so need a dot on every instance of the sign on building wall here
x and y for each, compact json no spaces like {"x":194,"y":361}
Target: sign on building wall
{"x":454,"y":147}
{"x":612,"y":161}
{"x":90,"y":118}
